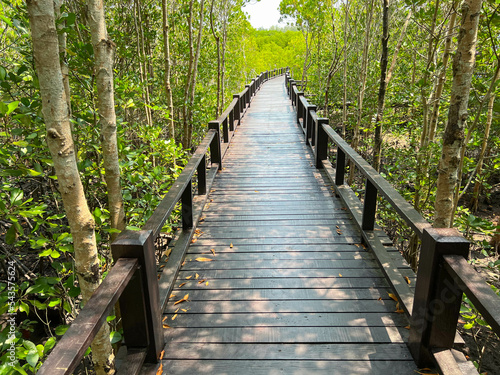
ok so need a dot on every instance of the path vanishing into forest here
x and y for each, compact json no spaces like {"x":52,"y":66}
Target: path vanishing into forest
{"x":289,"y":287}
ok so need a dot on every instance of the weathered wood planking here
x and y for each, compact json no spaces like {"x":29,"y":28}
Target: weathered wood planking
{"x":289,"y":288}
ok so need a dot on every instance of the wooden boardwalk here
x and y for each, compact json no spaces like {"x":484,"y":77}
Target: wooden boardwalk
{"x":289,"y":288}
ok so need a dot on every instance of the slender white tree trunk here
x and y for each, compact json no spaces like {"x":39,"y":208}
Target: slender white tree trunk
{"x":60,"y":142}
{"x":104,"y":49}
{"x":453,"y":137}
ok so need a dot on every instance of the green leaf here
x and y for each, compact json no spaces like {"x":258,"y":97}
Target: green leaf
{"x":40,"y":349}
{"x":61,"y":330}
{"x":39,"y":305}
{"x":51,"y":342}
{"x":45,"y":253}
{"x":16,"y":196}
{"x":19,"y":369}
{"x":115,"y":337}
{"x":11,"y":235}
{"x":3,"y":72}
{"x":11,"y":107}
{"x":54,"y":302}
{"x":23,"y":307}
{"x":111,"y":318}
{"x":32,"y":358}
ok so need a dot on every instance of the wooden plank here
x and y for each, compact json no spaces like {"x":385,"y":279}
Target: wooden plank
{"x":261,"y":367}
{"x":133,"y":361}
{"x":279,"y":231}
{"x":195,"y":248}
{"x":295,"y":319}
{"x":211,"y":274}
{"x":277,"y":241}
{"x":298,"y":240}
{"x":328,"y":265}
{"x":286,"y":255}
{"x":199,"y":294}
{"x":294,"y":352}
{"x":287,"y":335}
{"x":276,"y":306}
{"x":212,"y":222}
{"x":286,"y":283}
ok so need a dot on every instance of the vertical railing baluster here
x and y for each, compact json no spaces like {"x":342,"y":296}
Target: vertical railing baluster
{"x":321,"y":142}
{"x":300,"y":108}
{"x":340,"y":167}
{"x":307,"y":121}
{"x":247,"y":96}
{"x":202,"y":176}
{"x":369,"y":206}
{"x":187,"y":206}
{"x":231,"y":119}
{"x":215,"y":150}
{"x":237,"y":109}
{"x":225,"y":130}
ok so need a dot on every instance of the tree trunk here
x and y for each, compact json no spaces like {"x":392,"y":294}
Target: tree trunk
{"x":344,"y":99}
{"x":218,"y":110}
{"x":489,"y":119}
{"x":166,"y":51}
{"x":104,"y":49}
{"x":188,"y":78}
{"x":398,"y":47}
{"x":62,"y":55}
{"x":377,"y":150}
{"x":453,"y":137}
{"x":362,"y":88}
{"x":60,"y":143}
{"x":442,"y":75}
{"x":489,"y":97}
{"x":189,"y":91}
{"x":142,"y":62}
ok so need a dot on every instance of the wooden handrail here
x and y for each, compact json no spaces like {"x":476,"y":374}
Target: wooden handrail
{"x":62,"y":360}
{"x":402,"y":207}
{"x":174,"y":194}
{"x":481,"y":295}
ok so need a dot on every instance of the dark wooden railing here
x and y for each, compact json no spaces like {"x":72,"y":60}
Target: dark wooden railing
{"x":133,"y":279}
{"x":443,"y":274}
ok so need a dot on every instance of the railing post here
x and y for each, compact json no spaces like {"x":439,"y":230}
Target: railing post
{"x":300,"y":108}
{"x":187,"y":206}
{"x":141,"y":321}
{"x":340,"y":167}
{"x":231,"y":119}
{"x":437,"y":301}
{"x":369,"y":206}
{"x":225,"y":131}
{"x":321,"y":142}
{"x":215,"y":151}
{"x":237,"y":108}
{"x":247,"y":96}
{"x":202,"y":176}
{"x":307,"y":121}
